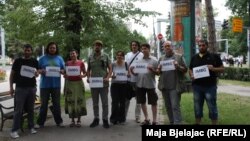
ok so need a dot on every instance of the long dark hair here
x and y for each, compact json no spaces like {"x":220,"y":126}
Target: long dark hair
{"x":137,"y":43}
{"x":49,"y":44}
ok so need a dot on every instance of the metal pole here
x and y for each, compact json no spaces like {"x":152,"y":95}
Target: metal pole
{"x":3,"y":47}
{"x":227,"y":46}
{"x":248,"y":46}
{"x":158,"y":41}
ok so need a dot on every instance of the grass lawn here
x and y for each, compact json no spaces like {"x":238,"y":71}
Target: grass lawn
{"x":234,"y":82}
{"x":233,"y":109}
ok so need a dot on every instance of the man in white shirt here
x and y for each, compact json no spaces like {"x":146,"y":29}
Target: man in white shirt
{"x":131,"y":58}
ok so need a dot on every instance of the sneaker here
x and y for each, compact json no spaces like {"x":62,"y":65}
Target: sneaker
{"x":61,"y":125}
{"x":14,"y":135}
{"x":33,"y":131}
{"x":105,"y":123}
{"x":137,"y":120}
{"x":37,"y":126}
{"x":145,"y":122}
{"x":94,"y":123}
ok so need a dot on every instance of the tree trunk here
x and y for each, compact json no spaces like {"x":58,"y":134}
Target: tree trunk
{"x":212,"y":45}
{"x":73,"y":24}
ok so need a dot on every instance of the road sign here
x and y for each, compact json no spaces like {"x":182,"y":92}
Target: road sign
{"x":159,"y":36}
{"x":237,"y":25}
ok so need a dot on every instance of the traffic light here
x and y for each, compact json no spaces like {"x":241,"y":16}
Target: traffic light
{"x":161,"y":45}
{"x":225,"y":24}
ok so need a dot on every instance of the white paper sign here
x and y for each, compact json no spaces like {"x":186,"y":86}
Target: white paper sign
{"x":141,"y":68}
{"x":96,"y":82}
{"x":121,"y":75}
{"x":53,"y":72}
{"x":73,"y":70}
{"x":27,"y":71}
{"x":201,"y":72}
{"x":167,"y":65}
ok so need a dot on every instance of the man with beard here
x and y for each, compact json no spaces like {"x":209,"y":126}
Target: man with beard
{"x":203,"y":70}
{"x":99,"y":69}
{"x":24,"y":73}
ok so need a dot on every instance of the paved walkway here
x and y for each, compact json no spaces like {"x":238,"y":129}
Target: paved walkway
{"x":234,"y":89}
{"x":131,"y":131}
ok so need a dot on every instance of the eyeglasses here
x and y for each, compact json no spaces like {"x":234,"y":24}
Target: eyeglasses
{"x":202,"y":45}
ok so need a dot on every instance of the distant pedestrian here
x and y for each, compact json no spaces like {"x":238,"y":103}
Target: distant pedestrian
{"x":98,"y":73}
{"x":203,"y":70}
{"x":75,"y":102}
{"x":51,"y":66}
{"x":146,"y":83}
{"x":23,"y":74}
{"x":131,"y":58}
{"x":172,"y":68}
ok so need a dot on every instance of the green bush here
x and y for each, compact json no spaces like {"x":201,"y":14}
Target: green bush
{"x":242,"y":74}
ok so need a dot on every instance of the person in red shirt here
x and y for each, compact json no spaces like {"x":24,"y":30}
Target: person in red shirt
{"x":75,"y":102}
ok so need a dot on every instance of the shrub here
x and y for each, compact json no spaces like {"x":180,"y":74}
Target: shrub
{"x":2,"y":74}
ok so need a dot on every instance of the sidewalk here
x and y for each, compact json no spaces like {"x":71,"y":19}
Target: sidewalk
{"x":131,"y":131}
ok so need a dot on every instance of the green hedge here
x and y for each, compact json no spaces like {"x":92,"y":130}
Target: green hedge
{"x":242,"y":74}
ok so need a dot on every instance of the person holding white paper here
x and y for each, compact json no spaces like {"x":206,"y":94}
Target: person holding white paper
{"x":24,"y":73}
{"x":51,"y":66}
{"x":131,"y":58}
{"x":118,"y":88}
{"x":203,"y":70}
{"x":99,"y":66}
{"x":172,"y":69}
{"x":75,"y":102}
{"x":146,"y":85}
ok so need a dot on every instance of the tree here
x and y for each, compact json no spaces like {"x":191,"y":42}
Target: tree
{"x":211,"y":27}
{"x":70,"y":23}
{"x":238,"y":45}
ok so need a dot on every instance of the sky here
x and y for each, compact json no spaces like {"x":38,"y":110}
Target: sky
{"x":163,"y":7}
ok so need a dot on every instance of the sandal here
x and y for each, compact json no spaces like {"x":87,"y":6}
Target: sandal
{"x":78,"y":124}
{"x":72,"y":124}
{"x":146,"y":122}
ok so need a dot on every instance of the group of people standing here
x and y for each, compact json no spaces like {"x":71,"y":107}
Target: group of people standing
{"x":137,"y":69}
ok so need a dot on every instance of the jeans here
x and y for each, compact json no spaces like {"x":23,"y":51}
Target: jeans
{"x":208,"y":93}
{"x":172,"y":104}
{"x":45,"y":94}
{"x":24,"y":100}
{"x":103,"y":92}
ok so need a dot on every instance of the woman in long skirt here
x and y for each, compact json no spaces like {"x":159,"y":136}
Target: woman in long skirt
{"x":75,"y":102}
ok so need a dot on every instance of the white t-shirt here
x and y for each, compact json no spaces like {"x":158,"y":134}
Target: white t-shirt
{"x":129,"y":57}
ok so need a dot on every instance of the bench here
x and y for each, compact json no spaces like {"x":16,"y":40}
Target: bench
{"x":7,"y":110}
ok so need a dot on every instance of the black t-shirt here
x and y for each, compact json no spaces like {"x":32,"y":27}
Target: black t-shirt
{"x":22,"y":81}
{"x":207,"y":59}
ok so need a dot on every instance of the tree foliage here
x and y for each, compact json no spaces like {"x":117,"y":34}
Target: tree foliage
{"x":71,"y":23}
{"x":238,"y":44}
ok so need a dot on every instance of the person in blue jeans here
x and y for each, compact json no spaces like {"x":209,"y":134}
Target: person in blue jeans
{"x":203,"y":70}
{"x":51,"y":66}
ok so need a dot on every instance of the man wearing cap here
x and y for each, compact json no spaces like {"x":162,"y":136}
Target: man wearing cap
{"x":99,"y":68}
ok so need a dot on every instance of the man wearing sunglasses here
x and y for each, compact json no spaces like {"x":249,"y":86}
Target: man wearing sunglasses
{"x":203,"y":70}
